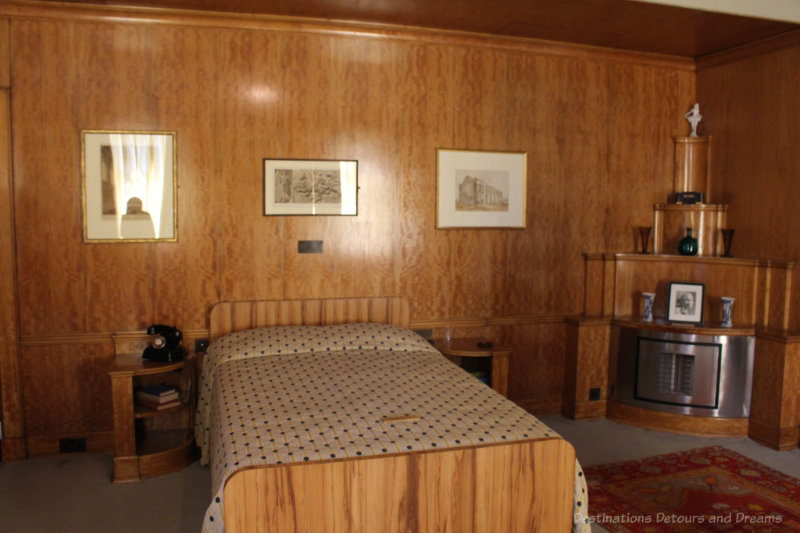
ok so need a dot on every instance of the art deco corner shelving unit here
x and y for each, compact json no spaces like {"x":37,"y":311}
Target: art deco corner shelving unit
{"x":614,"y":283}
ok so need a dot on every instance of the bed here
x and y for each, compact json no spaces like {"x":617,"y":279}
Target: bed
{"x":325,"y":416}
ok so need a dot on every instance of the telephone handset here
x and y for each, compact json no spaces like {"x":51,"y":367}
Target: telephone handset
{"x":166,"y":344}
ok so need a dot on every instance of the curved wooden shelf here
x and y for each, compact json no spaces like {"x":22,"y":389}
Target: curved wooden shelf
{"x":135,"y":365}
{"x":160,"y":441}
{"x":166,"y":451}
{"x":142,"y":411}
{"x":659,"y":324}
{"x":710,"y":259}
{"x":467,"y":347}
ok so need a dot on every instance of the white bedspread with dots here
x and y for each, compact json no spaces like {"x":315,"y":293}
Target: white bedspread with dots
{"x":307,"y":393}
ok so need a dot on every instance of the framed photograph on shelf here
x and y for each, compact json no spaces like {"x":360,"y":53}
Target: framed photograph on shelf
{"x":686,"y":303}
{"x":480,"y":189}
{"x":310,"y":187}
{"x":128,"y":183}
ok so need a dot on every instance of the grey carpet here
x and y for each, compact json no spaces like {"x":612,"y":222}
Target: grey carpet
{"x":74,"y":494}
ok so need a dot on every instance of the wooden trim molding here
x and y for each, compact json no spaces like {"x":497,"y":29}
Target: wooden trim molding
{"x":11,"y":386}
{"x":437,"y":323}
{"x":105,"y":337}
{"x":480,"y":322}
{"x":128,"y":14}
{"x":5,"y":54}
{"x":784,"y":40}
{"x":189,"y":335}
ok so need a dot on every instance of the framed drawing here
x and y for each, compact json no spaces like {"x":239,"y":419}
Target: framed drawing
{"x":686,"y":302}
{"x":478,"y":189}
{"x":310,"y":187}
{"x":128,"y":186}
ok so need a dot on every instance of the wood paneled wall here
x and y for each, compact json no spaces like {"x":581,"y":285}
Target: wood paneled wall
{"x":597,"y":127}
{"x":750,"y":106}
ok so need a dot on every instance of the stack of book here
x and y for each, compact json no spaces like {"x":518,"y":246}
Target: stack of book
{"x":158,"y":397}
{"x":481,"y":375}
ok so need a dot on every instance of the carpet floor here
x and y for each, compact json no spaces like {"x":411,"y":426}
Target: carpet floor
{"x":73,"y":493}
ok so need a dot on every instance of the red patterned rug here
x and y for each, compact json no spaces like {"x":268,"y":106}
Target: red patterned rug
{"x":708,"y":489}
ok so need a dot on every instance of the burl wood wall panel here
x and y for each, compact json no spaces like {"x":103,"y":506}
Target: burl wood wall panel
{"x":597,"y":127}
{"x":751,"y":108}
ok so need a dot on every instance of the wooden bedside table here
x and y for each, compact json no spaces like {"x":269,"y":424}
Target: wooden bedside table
{"x":468,"y":347}
{"x":150,"y":442}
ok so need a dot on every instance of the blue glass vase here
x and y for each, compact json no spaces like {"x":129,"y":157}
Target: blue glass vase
{"x":688,"y":245}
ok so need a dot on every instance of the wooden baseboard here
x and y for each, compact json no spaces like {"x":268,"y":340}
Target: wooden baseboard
{"x":584,"y":410}
{"x":541,"y":407}
{"x":675,"y":423}
{"x":773,"y":437}
{"x":13,"y":449}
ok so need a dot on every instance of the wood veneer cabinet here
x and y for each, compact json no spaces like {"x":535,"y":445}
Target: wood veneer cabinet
{"x":469,"y":348}
{"x":148,"y":442}
{"x":614,"y":283}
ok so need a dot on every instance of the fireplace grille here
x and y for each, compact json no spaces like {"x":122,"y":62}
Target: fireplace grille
{"x":691,"y":374}
{"x":676,"y":373}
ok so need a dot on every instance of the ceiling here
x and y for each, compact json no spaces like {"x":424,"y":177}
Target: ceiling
{"x":624,"y":24}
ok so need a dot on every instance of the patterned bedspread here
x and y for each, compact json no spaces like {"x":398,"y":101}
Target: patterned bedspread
{"x":304,"y":393}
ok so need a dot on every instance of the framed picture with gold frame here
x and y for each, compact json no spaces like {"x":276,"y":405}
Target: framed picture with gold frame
{"x":480,"y":189}
{"x":128,"y":182}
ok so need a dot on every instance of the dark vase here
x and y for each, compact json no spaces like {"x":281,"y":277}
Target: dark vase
{"x":688,"y":245}
{"x":727,"y":238}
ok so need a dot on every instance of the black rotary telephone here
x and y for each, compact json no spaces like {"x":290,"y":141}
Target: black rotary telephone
{"x":166,"y":344}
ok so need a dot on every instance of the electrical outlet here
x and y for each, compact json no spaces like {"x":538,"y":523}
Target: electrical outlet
{"x":594,"y":394}
{"x":201,"y":345}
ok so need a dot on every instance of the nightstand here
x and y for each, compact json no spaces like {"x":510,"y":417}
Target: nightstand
{"x":150,"y":442}
{"x":468,"y":354}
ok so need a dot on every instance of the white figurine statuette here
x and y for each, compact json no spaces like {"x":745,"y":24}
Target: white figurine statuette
{"x":694,"y":117}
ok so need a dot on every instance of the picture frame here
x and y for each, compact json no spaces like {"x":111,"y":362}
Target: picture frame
{"x":480,"y":189}
{"x":310,"y":187}
{"x":129,"y":186}
{"x":686,"y":303}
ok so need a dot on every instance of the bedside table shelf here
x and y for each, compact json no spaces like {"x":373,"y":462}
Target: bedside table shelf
{"x":162,"y":440}
{"x":142,"y":411}
{"x":497,"y":356}
{"x":149,"y":442}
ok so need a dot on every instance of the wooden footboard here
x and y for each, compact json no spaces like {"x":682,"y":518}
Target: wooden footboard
{"x":506,"y":488}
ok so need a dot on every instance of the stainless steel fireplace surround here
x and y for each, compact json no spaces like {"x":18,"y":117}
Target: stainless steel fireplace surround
{"x":700,"y":375}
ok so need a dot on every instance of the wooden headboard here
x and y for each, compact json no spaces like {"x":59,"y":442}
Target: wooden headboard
{"x":227,"y":317}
